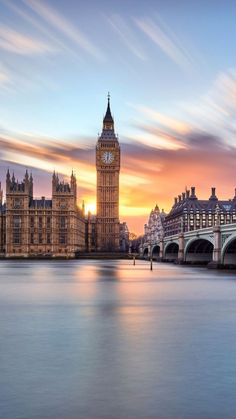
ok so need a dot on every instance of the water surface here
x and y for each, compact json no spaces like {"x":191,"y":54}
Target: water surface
{"x":109,"y":340}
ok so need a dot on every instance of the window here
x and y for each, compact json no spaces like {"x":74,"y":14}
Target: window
{"x":40,"y":222}
{"x":16,"y":237}
{"x":62,"y":238}
{"x":16,"y":221}
{"x":62,"y":222}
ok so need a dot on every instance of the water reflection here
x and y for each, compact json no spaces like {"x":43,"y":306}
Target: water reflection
{"x":94,"y":339}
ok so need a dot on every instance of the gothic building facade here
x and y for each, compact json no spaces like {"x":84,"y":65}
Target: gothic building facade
{"x":57,"y":227}
{"x":154,"y":229}
{"x":42,"y":227}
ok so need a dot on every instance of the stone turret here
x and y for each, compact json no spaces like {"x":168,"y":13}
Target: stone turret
{"x":13,"y":186}
{"x":64,"y":194}
{"x":73,"y":186}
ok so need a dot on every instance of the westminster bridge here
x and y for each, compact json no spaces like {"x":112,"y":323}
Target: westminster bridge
{"x":215,"y":246}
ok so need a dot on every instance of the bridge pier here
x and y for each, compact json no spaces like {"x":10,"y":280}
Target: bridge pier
{"x":161,"y":255}
{"x":216,"y":259}
{"x":181,"y":249}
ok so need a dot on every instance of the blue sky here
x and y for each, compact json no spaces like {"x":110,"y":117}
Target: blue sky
{"x":170,"y":68}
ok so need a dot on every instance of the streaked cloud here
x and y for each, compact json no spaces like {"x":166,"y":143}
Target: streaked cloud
{"x":148,"y":174}
{"x":166,"y":41}
{"x":215,"y":110}
{"x":4,"y":77}
{"x":48,"y":154}
{"x":127,"y":35}
{"x":53,"y":17}
{"x":164,"y":120}
{"x":41,"y":27}
{"x":18,"y":43}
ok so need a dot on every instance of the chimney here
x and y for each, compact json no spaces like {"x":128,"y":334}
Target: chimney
{"x":193,"y":192}
{"x":187,"y":194}
{"x":183,"y":196}
{"x":179,"y":196}
{"x":213,"y":193}
{"x":176,"y":200}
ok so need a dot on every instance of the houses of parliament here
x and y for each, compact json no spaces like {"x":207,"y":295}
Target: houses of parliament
{"x":57,"y":227}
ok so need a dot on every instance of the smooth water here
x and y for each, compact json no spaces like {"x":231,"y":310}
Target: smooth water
{"x":109,"y":340}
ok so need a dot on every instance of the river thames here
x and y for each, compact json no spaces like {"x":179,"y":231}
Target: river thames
{"x":109,"y":340}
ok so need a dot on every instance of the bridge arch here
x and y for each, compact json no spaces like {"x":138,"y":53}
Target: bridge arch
{"x":156,"y":252}
{"x":229,"y":251}
{"x":145,"y":253}
{"x":199,"y":250}
{"x":171,"y":251}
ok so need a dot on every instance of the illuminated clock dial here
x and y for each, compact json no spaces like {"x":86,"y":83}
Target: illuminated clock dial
{"x":107,"y":157}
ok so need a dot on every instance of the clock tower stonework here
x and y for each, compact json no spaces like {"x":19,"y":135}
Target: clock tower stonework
{"x":108,"y":170}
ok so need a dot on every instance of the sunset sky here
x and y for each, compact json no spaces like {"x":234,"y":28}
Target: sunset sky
{"x":170,"y":67}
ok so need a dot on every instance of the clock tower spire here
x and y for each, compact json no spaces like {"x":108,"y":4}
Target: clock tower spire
{"x":108,"y":170}
{"x":108,"y":122}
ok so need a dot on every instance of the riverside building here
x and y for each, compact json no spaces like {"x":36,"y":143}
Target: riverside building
{"x":42,"y":227}
{"x":190,"y":213}
{"x":57,"y":227}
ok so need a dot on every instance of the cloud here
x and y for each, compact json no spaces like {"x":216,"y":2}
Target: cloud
{"x":148,"y":175}
{"x":64,"y":26}
{"x":150,"y":172}
{"x":36,"y":24}
{"x":16,"y":42}
{"x":4,"y":77}
{"x":166,"y":41}
{"x":126,"y":35}
{"x":215,"y":110}
{"x":48,"y":154}
{"x":173,"y":124}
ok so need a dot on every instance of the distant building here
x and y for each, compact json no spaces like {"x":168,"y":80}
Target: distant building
{"x":124,"y":237}
{"x":154,"y":229}
{"x":190,"y":213}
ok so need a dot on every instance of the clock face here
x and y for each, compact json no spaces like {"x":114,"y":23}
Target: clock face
{"x":107,"y":157}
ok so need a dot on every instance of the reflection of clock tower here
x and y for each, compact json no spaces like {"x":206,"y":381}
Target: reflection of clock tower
{"x":108,"y":169}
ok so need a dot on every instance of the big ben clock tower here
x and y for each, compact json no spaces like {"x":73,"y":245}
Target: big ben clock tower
{"x":108,"y":169}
